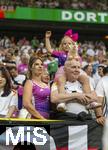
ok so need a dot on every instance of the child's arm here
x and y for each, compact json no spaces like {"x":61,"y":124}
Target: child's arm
{"x":60,"y":79}
{"x":47,"y":41}
{"x":84,"y":80}
{"x":60,"y":85}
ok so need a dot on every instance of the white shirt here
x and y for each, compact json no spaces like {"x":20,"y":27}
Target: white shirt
{"x":20,"y":78}
{"x":102,"y":91}
{"x":74,"y":107}
{"x":7,"y":101}
{"x":96,"y":78}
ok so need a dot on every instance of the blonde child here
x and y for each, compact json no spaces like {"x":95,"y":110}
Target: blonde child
{"x":68,"y":49}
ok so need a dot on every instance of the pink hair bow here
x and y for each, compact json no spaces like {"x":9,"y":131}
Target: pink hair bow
{"x":74,"y":36}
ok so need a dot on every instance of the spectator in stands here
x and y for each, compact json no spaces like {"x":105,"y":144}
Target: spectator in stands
{"x":34,"y":87}
{"x":9,"y":60}
{"x":100,"y":56}
{"x":75,"y":102}
{"x":68,"y":44}
{"x":68,"y":49}
{"x":89,"y":70}
{"x":12,"y":41}
{"x":35,"y":42}
{"x":81,"y":4}
{"x":39,"y":4}
{"x":100,"y":70}
{"x":74,"y":4}
{"x":89,"y":57}
{"x":18,"y":81}
{"x":23,"y":65}
{"x":22,"y":42}
{"x":46,"y":76}
{"x":53,"y":4}
{"x":25,"y":47}
{"x":99,"y":74}
{"x":41,"y":50}
{"x":8,"y":97}
{"x":102,"y":93}
{"x":5,"y":42}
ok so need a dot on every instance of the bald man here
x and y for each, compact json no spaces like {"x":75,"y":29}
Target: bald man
{"x":76,"y":100}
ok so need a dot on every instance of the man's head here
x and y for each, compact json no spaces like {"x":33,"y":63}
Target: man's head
{"x":72,"y":70}
{"x":88,"y":69}
{"x":100,"y":70}
{"x":13,"y":72}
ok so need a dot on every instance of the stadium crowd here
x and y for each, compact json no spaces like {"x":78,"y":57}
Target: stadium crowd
{"x":31,"y":71}
{"x":100,"y":5}
{"x":28,"y":75}
{"x":15,"y":56}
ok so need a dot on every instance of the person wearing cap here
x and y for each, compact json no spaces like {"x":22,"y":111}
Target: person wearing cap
{"x":90,"y":54}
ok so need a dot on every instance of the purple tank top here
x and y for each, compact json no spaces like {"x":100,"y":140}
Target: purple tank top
{"x":41,"y":99}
